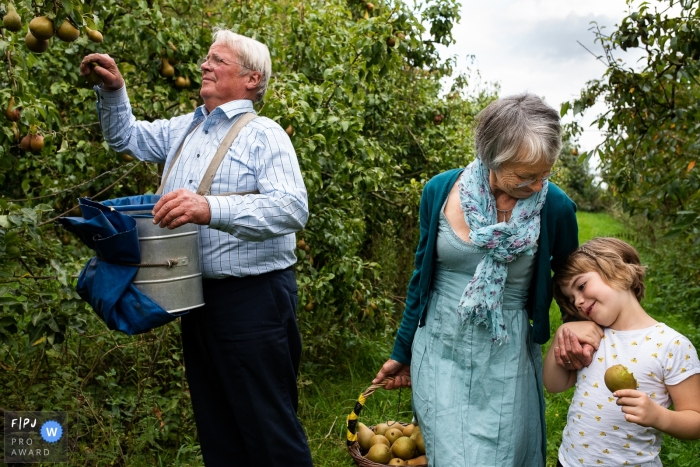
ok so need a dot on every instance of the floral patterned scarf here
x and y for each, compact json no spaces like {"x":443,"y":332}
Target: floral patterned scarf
{"x":482,"y":299}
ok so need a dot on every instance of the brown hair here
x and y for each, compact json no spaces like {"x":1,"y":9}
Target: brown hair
{"x":617,"y":263}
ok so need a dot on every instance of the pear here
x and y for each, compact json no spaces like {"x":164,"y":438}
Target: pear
{"x":619,"y":377}
{"x":12,"y":113}
{"x":380,"y":428}
{"x":166,"y":69}
{"x":290,"y":131}
{"x":364,"y":434}
{"x":36,"y":143}
{"x":379,"y":439}
{"x":391,"y":41}
{"x":180,"y":82}
{"x":420,"y":460}
{"x":379,"y":453}
{"x":67,"y":32}
{"x":408,"y":429}
{"x":42,"y":28}
{"x":187,"y":82}
{"x":34,"y":44}
{"x":392,"y":434}
{"x":25,"y":144}
{"x":11,"y":20}
{"x":404,"y":448}
{"x":15,"y":132}
{"x":93,"y":35}
{"x":397,"y":461}
{"x":417,"y":436}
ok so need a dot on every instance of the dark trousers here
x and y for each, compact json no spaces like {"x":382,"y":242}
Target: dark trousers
{"x":242,"y":352}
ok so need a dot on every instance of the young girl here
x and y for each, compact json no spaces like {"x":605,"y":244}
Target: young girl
{"x":603,"y":281}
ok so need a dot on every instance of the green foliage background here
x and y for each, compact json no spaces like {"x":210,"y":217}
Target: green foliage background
{"x":370,"y":124}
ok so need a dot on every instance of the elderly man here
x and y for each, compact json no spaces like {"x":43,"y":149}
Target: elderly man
{"x":241,"y":349}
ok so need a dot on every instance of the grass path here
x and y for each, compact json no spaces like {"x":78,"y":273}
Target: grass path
{"x":326,"y":402}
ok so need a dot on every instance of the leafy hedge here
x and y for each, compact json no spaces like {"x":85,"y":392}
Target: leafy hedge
{"x":358,"y":87}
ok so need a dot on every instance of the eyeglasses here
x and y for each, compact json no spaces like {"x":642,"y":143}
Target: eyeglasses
{"x":525,"y":183}
{"x":215,"y":62}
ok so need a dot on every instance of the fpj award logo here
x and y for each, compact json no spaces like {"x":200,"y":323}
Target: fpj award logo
{"x":33,"y":437}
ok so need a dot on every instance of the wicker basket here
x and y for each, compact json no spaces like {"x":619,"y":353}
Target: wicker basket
{"x":353,"y":445}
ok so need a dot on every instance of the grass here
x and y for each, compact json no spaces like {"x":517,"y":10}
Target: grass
{"x":326,"y":401}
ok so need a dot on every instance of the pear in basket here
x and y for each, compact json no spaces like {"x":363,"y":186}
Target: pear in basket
{"x":408,"y":429}
{"x":380,"y":428}
{"x":392,"y":434}
{"x":379,"y":453}
{"x":364,"y":434}
{"x":404,"y":448}
{"x":420,"y":460}
{"x":379,"y":439}
{"x":397,"y":461}
{"x":417,"y":436}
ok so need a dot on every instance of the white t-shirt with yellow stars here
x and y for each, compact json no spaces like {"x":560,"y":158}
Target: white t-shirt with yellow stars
{"x":596,"y":432}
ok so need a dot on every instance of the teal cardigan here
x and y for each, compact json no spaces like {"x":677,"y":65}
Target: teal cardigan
{"x":558,"y":238}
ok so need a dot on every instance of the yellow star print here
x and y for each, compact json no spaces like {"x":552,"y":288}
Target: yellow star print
{"x":652,"y":374}
{"x":581,"y":404}
{"x":578,"y":415}
{"x":585,"y":393}
{"x":670,"y":355}
{"x":602,"y":433}
{"x":600,"y":406}
{"x":655,"y":355}
{"x":616,"y":427}
{"x":678,"y":342}
{"x":683,"y":370}
{"x":659,"y":344}
{"x":633,"y":360}
{"x":597,"y":418}
{"x":606,"y":451}
{"x":634,"y":343}
{"x":687,"y":357}
{"x":630,"y":436}
{"x":601,"y":359}
{"x":581,"y":433}
{"x":585,"y":446}
{"x":647,"y":338}
{"x":611,"y":399}
{"x":626,"y":445}
{"x":614,"y":356}
{"x":599,"y":461}
{"x":595,"y":385}
{"x":652,"y":395}
{"x":613,"y":345}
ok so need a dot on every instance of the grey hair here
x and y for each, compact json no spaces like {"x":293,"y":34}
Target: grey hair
{"x":253,"y":55}
{"x":519,"y":128}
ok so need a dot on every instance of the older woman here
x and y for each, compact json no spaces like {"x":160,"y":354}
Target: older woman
{"x":490,"y":234}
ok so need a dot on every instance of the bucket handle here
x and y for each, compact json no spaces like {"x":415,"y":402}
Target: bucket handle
{"x":133,"y":207}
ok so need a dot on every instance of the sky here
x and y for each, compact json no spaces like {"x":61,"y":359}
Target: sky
{"x":531,"y":45}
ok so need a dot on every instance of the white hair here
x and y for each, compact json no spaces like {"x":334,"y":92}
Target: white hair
{"x":252,"y":55}
{"x":518,"y":128}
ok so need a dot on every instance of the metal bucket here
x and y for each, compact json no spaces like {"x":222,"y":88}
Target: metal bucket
{"x":178,"y":287}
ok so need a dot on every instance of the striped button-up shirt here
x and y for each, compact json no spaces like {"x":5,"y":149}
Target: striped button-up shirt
{"x":247,"y":235}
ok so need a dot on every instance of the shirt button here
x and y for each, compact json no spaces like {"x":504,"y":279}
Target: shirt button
{"x":190,"y":181}
{"x":206,"y":132}
{"x":197,"y":155}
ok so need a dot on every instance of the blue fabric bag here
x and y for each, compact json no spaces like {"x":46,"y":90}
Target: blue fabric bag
{"x":105,"y":281}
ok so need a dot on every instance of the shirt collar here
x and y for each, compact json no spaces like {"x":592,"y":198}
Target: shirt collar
{"x":230,"y":109}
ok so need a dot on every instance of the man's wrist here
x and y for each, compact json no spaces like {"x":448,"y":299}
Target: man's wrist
{"x":111,"y":97}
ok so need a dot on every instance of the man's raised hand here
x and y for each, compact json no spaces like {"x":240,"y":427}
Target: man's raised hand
{"x":105,"y":67}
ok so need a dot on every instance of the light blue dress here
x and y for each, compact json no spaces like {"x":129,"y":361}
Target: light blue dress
{"x":478,"y":404}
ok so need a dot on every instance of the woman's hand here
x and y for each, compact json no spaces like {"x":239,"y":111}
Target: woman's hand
{"x":400,"y":372}
{"x":569,"y":351}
